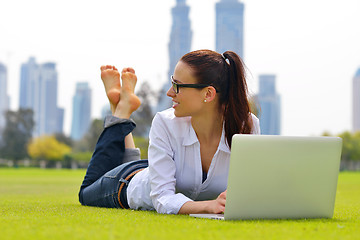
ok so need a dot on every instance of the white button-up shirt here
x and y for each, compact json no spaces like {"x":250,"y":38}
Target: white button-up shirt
{"x":175,"y":174}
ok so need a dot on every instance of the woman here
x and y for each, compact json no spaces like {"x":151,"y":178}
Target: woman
{"x":190,"y":143}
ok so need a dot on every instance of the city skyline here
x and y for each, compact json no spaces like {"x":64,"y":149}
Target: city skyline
{"x":4,"y":98}
{"x":269,"y":101}
{"x":81,"y":111}
{"x":356,"y":102}
{"x":313,"y":53}
{"x":230,"y":26}
{"x":179,"y":44}
{"x":39,"y":92}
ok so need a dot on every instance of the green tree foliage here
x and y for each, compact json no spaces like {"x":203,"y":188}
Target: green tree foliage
{"x":143,"y":144}
{"x":351,"y":146}
{"x":47,"y":148}
{"x":17,"y":133}
{"x":84,"y":157}
{"x":88,"y":142}
{"x":61,"y":137}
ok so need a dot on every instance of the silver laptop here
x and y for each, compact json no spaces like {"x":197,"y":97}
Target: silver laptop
{"x":279,"y":177}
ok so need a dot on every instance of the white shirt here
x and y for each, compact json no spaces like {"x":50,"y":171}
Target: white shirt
{"x":174,"y":175}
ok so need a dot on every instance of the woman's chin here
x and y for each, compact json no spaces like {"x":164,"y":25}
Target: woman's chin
{"x":180,"y":114}
{"x":177,"y":113}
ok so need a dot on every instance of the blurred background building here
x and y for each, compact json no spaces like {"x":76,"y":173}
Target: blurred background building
{"x":270,"y":105}
{"x":180,"y":44}
{"x":356,"y":101}
{"x":105,"y":111}
{"x":81,"y":115}
{"x":4,"y":98}
{"x":38,"y":91}
{"x":230,"y":27}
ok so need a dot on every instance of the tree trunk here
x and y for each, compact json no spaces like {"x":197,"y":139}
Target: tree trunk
{"x":350,"y":165}
{"x":26,"y":163}
{"x":42,"y":164}
{"x":10,"y":163}
{"x":58,"y":165}
{"x":74,"y":165}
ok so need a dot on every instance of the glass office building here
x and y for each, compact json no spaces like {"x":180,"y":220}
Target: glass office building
{"x":180,"y":44}
{"x":270,"y":106}
{"x":230,"y":26}
{"x":81,"y":117}
{"x":356,"y":101}
{"x":38,"y":91}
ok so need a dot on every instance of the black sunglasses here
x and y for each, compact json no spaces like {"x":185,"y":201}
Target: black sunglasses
{"x":176,"y":85}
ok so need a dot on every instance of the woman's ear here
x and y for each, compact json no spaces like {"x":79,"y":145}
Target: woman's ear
{"x":210,"y":94}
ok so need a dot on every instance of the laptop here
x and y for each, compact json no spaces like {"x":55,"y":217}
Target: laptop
{"x":281,"y":177}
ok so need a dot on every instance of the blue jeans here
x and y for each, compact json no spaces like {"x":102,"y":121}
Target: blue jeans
{"x":106,"y":171}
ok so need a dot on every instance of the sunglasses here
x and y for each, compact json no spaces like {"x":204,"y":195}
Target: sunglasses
{"x":176,"y":85}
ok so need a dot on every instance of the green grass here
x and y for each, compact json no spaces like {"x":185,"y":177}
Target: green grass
{"x":42,"y":204}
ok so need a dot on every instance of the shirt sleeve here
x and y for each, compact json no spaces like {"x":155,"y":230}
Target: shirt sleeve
{"x":162,"y":170}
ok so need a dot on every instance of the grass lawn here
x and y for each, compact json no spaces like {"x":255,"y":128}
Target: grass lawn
{"x":43,"y":204}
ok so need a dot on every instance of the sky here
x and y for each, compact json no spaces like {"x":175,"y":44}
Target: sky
{"x":312,"y":46}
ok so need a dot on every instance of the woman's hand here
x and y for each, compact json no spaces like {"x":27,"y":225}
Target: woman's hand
{"x":219,"y":203}
{"x":212,"y":206}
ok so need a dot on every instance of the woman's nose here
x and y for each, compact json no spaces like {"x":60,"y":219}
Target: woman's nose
{"x":171,"y":92}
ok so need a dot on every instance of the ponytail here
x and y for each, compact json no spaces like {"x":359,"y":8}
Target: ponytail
{"x":237,"y":108}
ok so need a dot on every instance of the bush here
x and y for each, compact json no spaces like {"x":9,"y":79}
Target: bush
{"x":143,"y":144}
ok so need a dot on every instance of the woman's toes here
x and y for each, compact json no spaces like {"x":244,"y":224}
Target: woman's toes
{"x":129,"y":80}
{"x":129,"y":69}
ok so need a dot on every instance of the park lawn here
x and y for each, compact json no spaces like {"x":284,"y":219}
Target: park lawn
{"x":43,"y":204}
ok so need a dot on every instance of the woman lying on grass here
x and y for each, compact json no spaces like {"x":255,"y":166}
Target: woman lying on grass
{"x":190,"y":143}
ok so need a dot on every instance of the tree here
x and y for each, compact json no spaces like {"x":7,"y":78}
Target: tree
{"x":17,"y":133}
{"x":88,"y":142}
{"x":81,"y":156}
{"x":356,"y":139}
{"x":351,"y":143}
{"x":143,"y":145}
{"x":47,"y":148}
{"x":75,"y":159}
{"x":61,"y":137}
{"x":143,"y":115}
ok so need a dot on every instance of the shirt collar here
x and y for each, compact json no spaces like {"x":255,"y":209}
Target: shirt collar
{"x":191,"y":138}
{"x":223,"y":145}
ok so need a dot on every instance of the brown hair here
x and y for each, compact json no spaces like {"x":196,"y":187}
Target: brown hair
{"x":226,"y":73}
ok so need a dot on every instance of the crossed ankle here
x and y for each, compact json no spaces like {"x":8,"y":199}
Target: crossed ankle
{"x":111,"y":120}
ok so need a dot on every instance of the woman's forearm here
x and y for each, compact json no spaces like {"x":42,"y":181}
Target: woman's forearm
{"x":210,"y":206}
{"x":196,"y":207}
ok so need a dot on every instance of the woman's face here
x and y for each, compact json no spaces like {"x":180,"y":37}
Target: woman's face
{"x":189,"y":101}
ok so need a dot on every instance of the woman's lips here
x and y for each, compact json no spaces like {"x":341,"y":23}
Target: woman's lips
{"x":175,"y":104}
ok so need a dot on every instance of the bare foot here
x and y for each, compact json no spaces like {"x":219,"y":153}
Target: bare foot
{"x":111,"y":79}
{"x":129,"y":102}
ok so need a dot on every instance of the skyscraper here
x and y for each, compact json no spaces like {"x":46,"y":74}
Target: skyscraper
{"x":81,"y":117}
{"x":356,"y":101}
{"x":29,"y":79}
{"x":38,"y":91}
{"x":4,"y":98}
{"x":230,"y":27}
{"x":270,"y":106}
{"x":180,"y":44}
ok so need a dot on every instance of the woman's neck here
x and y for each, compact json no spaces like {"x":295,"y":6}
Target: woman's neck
{"x":208,"y":126}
